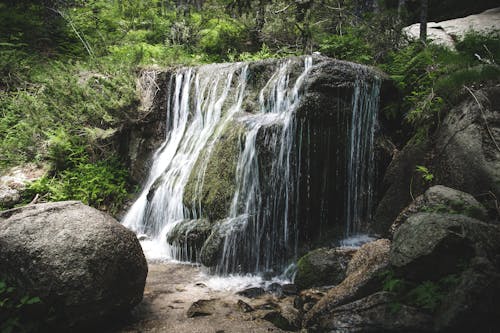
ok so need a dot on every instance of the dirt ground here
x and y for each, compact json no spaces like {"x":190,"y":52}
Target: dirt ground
{"x":170,"y":291}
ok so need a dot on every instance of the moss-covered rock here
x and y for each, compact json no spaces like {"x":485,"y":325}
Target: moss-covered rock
{"x":189,"y":236}
{"x":442,"y":199}
{"x":323,"y":267}
{"x":211,"y":188}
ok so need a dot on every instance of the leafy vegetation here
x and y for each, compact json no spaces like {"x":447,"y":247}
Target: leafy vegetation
{"x":426,"y":295}
{"x":68,"y":69}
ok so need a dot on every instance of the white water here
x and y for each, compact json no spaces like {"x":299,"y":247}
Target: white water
{"x":191,"y":126}
{"x":261,"y":230}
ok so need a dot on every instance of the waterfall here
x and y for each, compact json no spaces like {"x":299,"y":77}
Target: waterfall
{"x":263,"y":235}
{"x":194,"y":120}
{"x":360,"y":162}
{"x":275,"y":177}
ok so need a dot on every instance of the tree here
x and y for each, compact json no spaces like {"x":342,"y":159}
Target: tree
{"x":424,"y":9}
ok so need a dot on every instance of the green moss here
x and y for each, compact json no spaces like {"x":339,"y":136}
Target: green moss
{"x":321,"y":267}
{"x":218,"y":179}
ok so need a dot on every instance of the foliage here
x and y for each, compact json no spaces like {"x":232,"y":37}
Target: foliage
{"x":13,"y":307}
{"x":431,"y":77}
{"x":347,"y":47}
{"x":102,"y":184}
{"x":426,"y":174}
{"x":426,"y":295}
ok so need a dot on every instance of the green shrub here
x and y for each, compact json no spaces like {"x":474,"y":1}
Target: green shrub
{"x":102,"y":184}
{"x":347,"y":47}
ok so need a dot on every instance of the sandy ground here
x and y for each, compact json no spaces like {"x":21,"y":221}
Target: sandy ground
{"x":171,"y":289}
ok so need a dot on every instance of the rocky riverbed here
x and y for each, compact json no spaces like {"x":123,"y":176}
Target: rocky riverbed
{"x":171,"y":289}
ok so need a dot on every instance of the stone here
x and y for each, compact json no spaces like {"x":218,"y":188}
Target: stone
{"x":190,"y":235}
{"x":211,"y":185}
{"x":430,"y":246}
{"x":375,"y":313}
{"x":322,"y":267}
{"x":252,"y":292}
{"x":244,"y":307}
{"x":364,"y":276}
{"x":474,"y":304}
{"x":286,"y":317}
{"x":395,"y":187}
{"x":80,"y":262}
{"x":445,"y":33}
{"x":442,"y":199}
{"x":467,"y":157}
{"x":201,"y":308}
{"x":14,"y":181}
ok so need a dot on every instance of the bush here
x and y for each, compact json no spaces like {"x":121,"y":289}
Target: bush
{"x":347,"y":47}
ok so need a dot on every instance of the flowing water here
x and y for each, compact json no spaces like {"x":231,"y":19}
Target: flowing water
{"x":261,"y":230}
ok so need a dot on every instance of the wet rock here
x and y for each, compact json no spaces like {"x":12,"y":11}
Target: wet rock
{"x":211,"y":251}
{"x":81,"y":262}
{"x":322,"y":267}
{"x":200,"y":308}
{"x":442,"y":199}
{"x":212,"y":185}
{"x":190,"y":235}
{"x":244,"y":307}
{"x":433,"y":245}
{"x":252,"y":292}
{"x":275,"y":288}
{"x":289,"y":289}
{"x":363,"y":278}
{"x":376,"y":313}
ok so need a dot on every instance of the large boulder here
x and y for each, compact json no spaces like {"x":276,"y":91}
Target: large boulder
{"x":364,"y":276}
{"x":323,"y":267}
{"x":467,"y":157}
{"x":442,"y":199}
{"x":460,"y":257}
{"x":464,"y":155}
{"x":429,"y":246}
{"x":80,"y":262}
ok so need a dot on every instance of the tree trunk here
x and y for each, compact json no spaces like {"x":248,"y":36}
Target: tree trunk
{"x":424,"y":7}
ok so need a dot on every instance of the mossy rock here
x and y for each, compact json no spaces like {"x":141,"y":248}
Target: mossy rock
{"x":323,"y":267}
{"x":189,"y":236}
{"x":212,"y":188}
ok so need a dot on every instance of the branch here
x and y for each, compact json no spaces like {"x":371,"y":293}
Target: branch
{"x":484,"y":117}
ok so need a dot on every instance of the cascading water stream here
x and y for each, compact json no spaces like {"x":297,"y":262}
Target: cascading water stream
{"x":189,"y":129}
{"x":264,"y":221}
{"x":258,"y":234}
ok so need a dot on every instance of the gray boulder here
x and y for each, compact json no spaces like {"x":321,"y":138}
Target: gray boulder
{"x":189,"y":236}
{"x":78,"y":260}
{"x":429,"y":246}
{"x":442,"y":199}
{"x":323,"y":267}
{"x":466,"y":153}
